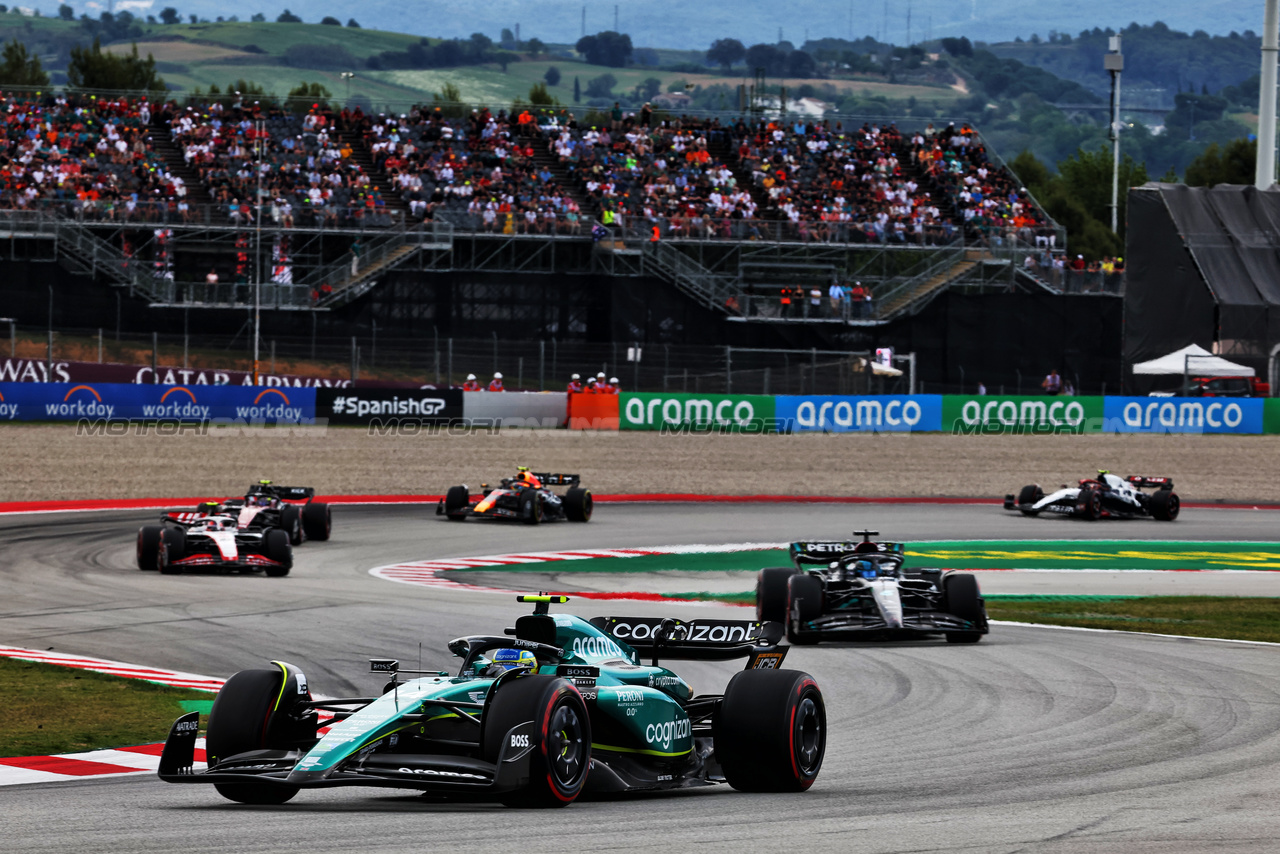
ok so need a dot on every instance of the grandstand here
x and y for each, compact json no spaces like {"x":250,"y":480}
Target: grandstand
{"x":747,"y":220}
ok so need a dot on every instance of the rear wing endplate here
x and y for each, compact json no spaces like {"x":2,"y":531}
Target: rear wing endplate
{"x":287,"y":493}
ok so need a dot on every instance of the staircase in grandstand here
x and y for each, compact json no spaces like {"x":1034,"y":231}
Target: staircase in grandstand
{"x":710,"y":289}
{"x":914,"y":293}
{"x":350,"y":277}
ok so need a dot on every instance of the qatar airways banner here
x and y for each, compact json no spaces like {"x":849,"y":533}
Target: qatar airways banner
{"x":37,"y":371}
{"x":116,"y":402}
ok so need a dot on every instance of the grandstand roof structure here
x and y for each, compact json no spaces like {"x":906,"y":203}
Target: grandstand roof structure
{"x":1203,"y":267}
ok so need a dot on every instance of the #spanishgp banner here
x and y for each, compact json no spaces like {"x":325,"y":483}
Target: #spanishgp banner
{"x":381,"y":406}
{"x":859,"y":414}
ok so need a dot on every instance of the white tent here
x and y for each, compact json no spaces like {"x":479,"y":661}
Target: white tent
{"x":1194,"y":361}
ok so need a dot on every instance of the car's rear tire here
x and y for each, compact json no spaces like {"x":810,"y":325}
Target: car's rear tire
{"x":771,"y":731}
{"x":291,"y":521}
{"x":239,"y":722}
{"x":148,"y":551}
{"x":804,"y":603}
{"x":1089,"y":502}
{"x":455,"y":501}
{"x":561,"y":740}
{"x":317,"y":521}
{"x":961,"y":598}
{"x":578,"y":505}
{"x":531,"y":507}
{"x":276,"y":547}
{"x":771,"y":593}
{"x":1165,"y":505}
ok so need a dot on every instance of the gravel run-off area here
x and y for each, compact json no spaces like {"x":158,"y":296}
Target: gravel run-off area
{"x":53,"y":462}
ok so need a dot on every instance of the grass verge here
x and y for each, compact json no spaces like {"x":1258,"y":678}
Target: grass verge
{"x":50,"y":709}
{"x":1237,"y":618}
{"x":1233,"y":617}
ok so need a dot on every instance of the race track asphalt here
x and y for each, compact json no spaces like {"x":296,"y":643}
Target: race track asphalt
{"x":1034,"y":740}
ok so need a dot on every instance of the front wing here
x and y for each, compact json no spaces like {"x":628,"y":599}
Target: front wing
{"x":853,"y":624}
{"x":287,"y":768}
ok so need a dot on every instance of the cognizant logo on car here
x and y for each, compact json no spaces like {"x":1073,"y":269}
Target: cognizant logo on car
{"x":663,"y":734}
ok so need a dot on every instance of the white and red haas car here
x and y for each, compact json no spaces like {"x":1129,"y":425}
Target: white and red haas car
{"x":188,"y":540}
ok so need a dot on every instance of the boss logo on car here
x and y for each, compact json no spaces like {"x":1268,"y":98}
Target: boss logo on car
{"x":519,"y":741}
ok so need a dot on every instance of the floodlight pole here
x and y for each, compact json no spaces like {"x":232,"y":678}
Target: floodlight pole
{"x":1265,"y":174}
{"x":1114,"y":63}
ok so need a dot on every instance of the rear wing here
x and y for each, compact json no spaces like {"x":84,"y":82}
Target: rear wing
{"x":556,"y":479}
{"x":808,"y":553}
{"x":1144,"y":482}
{"x":182,"y":517}
{"x":699,"y":640}
{"x":285,"y":493}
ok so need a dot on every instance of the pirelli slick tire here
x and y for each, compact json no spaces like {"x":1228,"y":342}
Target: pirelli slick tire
{"x":149,"y":546}
{"x":804,"y":603}
{"x":1089,"y":503}
{"x":173,"y":547}
{"x":291,"y":521}
{"x":578,"y":505}
{"x":962,"y":599}
{"x":317,"y":521}
{"x":560,"y":746}
{"x":1164,"y":505}
{"x":277,"y":548}
{"x":531,"y":508}
{"x":239,"y":722}
{"x":455,"y":501}
{"x":771,"y":731}
{"x":1030,"y":495}
{"x":771,"y":593}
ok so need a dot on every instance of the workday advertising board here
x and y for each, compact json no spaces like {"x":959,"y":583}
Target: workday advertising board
{"x":865,"y":414}
{"x":996,"y":414}
{"x":744,"y":413}
{"x":119,"y":402}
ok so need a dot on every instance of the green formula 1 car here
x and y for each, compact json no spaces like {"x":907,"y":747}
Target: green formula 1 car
{"x":555,"y":707}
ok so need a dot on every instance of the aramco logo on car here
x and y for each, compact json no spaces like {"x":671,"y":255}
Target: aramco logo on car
{"x":743,"y":413}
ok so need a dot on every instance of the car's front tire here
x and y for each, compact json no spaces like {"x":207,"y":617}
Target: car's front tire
{"x":804,"y":603}
{"x":456,"y":500}
{"x":560,"y":743}
{"x":961,"y":598}
{"x":173,"y":547}
{"x":276,"y":547}
{"x":148,"y":549}
{"x":239,"y":722}
{"x":531,"y":508}
{"x":771,"y":593}
{"x":291,"y":521}
{"x":771,"y":731}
